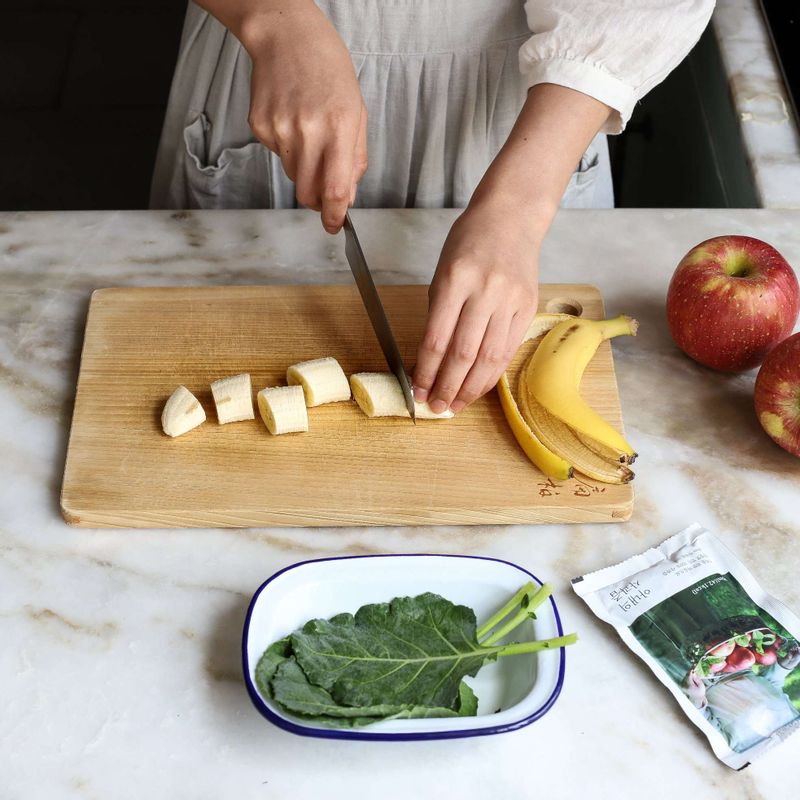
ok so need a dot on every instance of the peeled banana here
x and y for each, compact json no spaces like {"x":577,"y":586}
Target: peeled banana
{"x":283,"y":409}
{"x":322,"y":379}
{"x":233,"y":398}
{"x":182,"y":412}
{"x":379,"y":394}
{"x":554,"y":373}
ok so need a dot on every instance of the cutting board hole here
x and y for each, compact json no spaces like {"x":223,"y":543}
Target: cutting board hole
{"x":564,"y":305}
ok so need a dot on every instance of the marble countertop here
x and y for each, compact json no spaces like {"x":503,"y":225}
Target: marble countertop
{"x":761,"y":102}
{"x":119,"y":670}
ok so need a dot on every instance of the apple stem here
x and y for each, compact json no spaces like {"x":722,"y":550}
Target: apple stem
{"x":738,"y":265}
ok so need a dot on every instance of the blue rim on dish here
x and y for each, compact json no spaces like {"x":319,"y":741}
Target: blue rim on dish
{"x":335,"y":733}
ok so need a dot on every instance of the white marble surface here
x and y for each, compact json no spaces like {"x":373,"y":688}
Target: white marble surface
{"x":119,"y":666}
{"x":761,"y":102}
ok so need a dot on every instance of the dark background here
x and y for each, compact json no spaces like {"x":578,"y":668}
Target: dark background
{"x":84,"y":84}
{"x":83,"y":87}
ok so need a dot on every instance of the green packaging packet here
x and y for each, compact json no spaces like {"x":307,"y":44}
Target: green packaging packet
{"x":726,"y":649}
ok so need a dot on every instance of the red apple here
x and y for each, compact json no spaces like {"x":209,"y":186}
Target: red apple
{"x":767,"y":658}
{"x":730,"y":301}
{"x":723,"y":650}
{"x":777,"y":394}
{"x":740,"y":658}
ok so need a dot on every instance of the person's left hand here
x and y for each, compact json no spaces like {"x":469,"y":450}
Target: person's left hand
{"x":482,"y":300}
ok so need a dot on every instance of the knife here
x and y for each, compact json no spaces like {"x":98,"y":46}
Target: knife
{"x":377,"y":316}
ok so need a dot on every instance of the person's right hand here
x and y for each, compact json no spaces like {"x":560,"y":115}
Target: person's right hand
{"x":306,"y":104}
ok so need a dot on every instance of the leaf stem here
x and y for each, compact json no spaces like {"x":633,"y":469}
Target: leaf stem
{"x":526,"y":612}
{"x":531,"y":647}
{"x":500,"y":615}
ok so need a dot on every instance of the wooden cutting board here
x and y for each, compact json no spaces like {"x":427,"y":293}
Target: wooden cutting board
{"x":122,"y":471}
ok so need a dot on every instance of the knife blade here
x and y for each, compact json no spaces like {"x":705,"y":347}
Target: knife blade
{"x":376,"y":313}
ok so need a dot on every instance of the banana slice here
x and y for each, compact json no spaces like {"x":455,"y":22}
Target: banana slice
{"x":322,"y":379}
{"x":182,"y":412}
{"x":233,"y":398}
{"x":283,"y":409}
{"x":379,"y":394}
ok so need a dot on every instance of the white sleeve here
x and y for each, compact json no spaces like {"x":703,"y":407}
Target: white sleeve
{"x":612,"y":50}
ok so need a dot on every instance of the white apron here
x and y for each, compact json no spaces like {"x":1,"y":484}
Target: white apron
{"x":441,"y":83}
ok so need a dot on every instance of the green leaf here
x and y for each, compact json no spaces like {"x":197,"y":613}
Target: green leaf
{"x":294,"y":694}
{"x":467,"y":701}
{"x":292,"y":690}
{"x":412,"y":651}
{"x":267,"y":665}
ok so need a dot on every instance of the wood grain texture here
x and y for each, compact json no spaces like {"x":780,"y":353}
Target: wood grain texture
{"x":122,"y":471}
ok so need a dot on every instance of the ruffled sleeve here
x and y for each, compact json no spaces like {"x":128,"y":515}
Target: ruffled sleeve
{"x":613,"y":50}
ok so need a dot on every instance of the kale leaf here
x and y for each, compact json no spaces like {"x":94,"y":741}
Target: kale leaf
{"x":399,"y":660}
{"x":412,"y":651}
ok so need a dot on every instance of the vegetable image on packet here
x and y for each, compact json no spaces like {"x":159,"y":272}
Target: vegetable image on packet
{"x":725,"y":648}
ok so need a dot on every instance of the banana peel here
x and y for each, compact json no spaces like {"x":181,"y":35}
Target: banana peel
{"x":548,"y":462}
{"x":550,"y":439}
{"x":551,"y":464}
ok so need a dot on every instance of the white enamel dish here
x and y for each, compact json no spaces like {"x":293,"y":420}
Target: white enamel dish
{"x":512,"y":692}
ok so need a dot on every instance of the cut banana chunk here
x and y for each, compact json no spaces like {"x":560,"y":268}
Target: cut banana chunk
{"x":182,"y":412}
{"x":233,"y":398}
{"x":322,"y":379}
{"x":283,"y":409}
{"x":379,"y":394}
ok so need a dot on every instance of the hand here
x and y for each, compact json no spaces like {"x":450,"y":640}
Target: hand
{"x":306,"y":104}
{"x":482,"y":300}
{"x":484,"y":293}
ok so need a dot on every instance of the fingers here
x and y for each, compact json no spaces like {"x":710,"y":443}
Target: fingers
{"x":462,"y":353}
{"x":360,"y":161}
{"x":337,"y":182}
{"x":309,"y":169}
{"x":491,"y":360}
{"x":443,"y":315}
{"x":517,"y":329}
{"x":325,"y":157}
{"x":288,"y":157}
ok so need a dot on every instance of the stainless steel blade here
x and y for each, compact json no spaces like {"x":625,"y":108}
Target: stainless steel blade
{"x":377,"y":316}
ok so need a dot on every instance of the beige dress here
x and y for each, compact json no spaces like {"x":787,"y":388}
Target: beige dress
{"x":443,"y":81}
